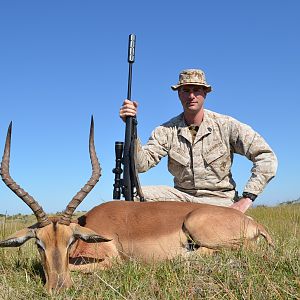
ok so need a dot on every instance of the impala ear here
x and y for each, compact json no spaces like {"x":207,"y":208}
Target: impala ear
{"x":18,"y":238}
{"x":87,"y":235}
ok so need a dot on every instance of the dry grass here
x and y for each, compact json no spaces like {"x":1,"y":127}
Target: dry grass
{"x":260,"y":274}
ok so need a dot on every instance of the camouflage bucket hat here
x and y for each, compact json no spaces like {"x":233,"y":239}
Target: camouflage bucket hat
{"x":192,"y":76}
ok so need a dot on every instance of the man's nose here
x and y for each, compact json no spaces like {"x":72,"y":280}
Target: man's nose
{"x":191,"y":95}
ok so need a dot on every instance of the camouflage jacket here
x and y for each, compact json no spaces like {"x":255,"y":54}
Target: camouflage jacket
{"x":203,"y":167}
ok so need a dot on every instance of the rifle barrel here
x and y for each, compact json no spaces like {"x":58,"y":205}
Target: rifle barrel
{"x":131,"y":58}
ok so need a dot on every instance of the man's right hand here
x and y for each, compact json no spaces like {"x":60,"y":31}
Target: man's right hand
{"x":128,"y":109}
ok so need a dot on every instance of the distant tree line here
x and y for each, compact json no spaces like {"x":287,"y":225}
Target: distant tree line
{"x":291,"y":202}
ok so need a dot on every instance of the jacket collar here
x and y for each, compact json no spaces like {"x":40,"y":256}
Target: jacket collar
{"x":205,"y":128}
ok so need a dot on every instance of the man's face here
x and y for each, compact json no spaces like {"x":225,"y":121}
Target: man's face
{"x":191,"y":97}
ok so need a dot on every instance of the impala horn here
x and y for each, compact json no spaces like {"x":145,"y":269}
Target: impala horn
{"x":29,"y":200}
{"x":96,"y":173}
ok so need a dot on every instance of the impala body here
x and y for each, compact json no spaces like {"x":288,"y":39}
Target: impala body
{"x":161,"y":230}
{"x":123,"y":230}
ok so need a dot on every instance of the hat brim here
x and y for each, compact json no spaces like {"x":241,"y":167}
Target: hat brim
{"x":177,"y":86}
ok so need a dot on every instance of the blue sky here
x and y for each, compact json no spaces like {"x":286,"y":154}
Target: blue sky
{"x":61,"y":61}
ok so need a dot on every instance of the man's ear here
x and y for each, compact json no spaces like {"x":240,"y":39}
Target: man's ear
{"x":18,"y":238}
{"x":87,"y":235}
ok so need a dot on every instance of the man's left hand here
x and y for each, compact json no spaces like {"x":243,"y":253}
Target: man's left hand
{"x":242,"y":205}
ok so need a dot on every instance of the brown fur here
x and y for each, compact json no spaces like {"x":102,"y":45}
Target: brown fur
{"x":161,"y":230}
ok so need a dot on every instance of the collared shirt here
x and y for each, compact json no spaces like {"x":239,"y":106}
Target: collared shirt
{"x":202,"y":166}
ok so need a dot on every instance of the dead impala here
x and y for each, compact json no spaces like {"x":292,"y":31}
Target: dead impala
{"x":121,"y":230}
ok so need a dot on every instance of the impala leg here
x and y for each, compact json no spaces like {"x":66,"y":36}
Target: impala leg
{"x":220,"y":228}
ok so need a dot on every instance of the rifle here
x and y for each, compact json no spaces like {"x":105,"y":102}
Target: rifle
{"x":125,"y":152}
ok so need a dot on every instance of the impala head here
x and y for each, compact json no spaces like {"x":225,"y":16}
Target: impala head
{"x":53,"y":236}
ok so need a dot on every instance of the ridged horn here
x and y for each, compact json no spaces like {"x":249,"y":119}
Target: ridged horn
{"x":29,"y":200}
{"x":96,"y":173}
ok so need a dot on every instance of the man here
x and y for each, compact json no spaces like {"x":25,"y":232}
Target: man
{"x":200,"y":145}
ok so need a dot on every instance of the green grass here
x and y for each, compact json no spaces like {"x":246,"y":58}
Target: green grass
{"x":261,"y":274}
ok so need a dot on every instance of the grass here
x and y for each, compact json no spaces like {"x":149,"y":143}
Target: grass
{"x":261,"y":274}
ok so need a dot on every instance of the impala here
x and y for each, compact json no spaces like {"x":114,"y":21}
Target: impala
{"x":119,"y":230}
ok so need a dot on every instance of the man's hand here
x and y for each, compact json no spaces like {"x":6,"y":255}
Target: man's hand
{"x":242,"y":205}
{"x":128,"y":109}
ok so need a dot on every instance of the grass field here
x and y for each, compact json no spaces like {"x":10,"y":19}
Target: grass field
{"x":261,"y":274}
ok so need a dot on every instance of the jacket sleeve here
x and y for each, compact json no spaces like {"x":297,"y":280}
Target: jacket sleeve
{"x":247,"y":142}
{"x":156,"y":148}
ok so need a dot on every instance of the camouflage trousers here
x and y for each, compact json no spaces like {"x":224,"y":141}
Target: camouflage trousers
{"x":167,"y":193}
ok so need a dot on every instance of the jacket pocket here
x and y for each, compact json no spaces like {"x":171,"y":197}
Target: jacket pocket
{"x":217,"y":159}
{"x":178,"y":165}
{"x":179,"y":157}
